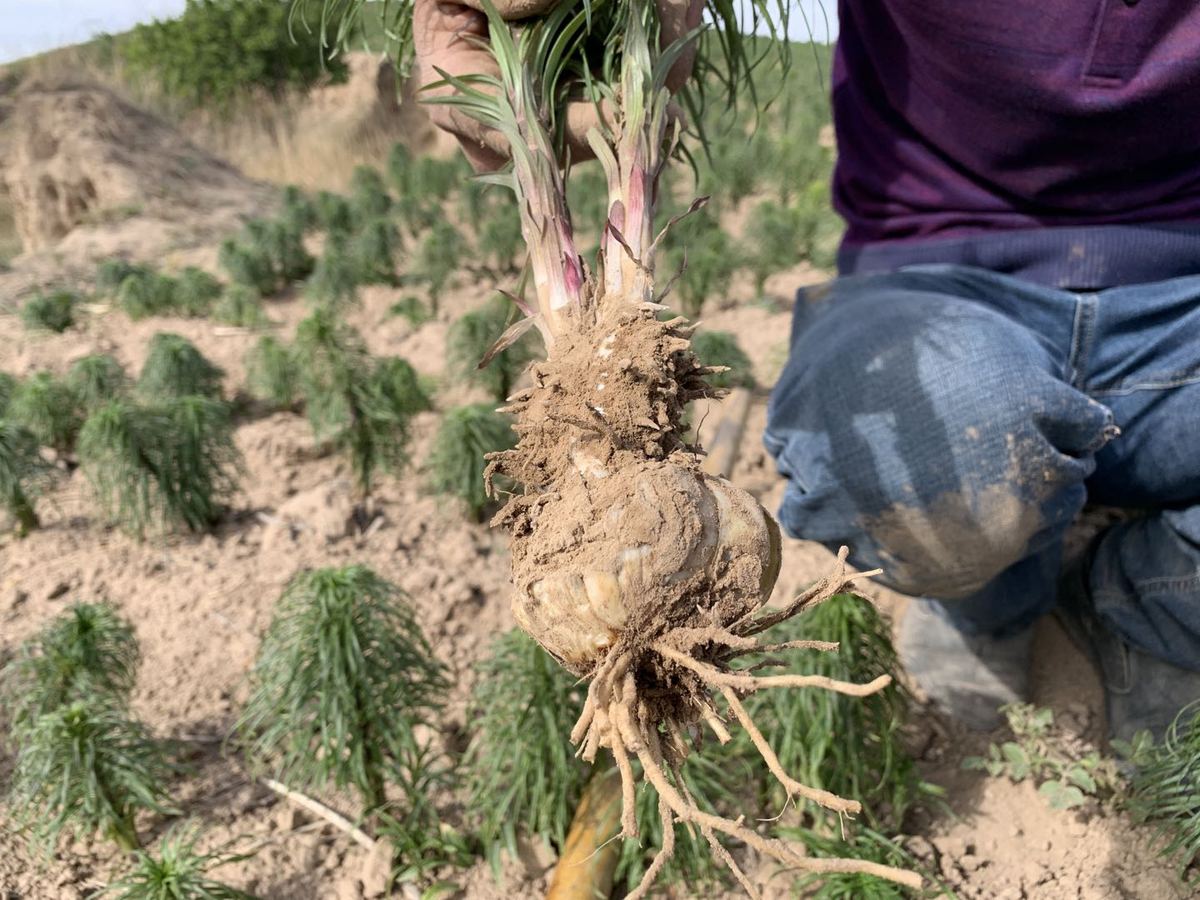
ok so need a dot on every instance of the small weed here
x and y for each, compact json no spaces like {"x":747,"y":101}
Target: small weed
{"x":457,"y":460}
{"x":1066,"y":773}
{"x":865,"y":844}
{"x":23,"y":473}
{"x":96,"y":379}
{"x":178,"y":871}
{"x":1165,"y":787}
{"x":343,"y":679}
{"x":412,"y":309}
{"x":241,"y":305}
{"x":272,"y":373}
{"x":112,"y":272}
{"x":175,"y":368}
{"x":473,"y":335}
{"x":50,"y":312}
{"x":720,"y":348}
{"x":195,"y":292}
{"x":47,"y":407}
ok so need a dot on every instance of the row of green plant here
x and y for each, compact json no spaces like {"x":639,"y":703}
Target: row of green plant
{"x":345,"y":692}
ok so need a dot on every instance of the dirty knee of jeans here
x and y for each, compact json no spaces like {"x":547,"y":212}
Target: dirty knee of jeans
{"x":953,"y":546}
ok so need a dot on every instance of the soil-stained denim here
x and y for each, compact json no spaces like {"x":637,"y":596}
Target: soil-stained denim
{"x":947,"y":423}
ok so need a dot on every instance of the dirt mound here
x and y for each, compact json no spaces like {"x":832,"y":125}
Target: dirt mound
{"x":90,"y":174}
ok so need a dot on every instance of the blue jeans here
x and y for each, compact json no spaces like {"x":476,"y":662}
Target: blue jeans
{"x":948,"y":423}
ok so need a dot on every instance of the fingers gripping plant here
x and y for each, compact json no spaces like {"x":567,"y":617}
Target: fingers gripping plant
{"x":343,"y":678}
{"x":22,"y":473}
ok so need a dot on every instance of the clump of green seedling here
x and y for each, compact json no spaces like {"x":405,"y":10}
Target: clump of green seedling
{"x":1165,"y":788}
{"x":95,"y":379}
{"x":248,"y":263}
{"x":438,"y":257}
{"x":368,"y":194}
{"x":178,"y":871}
{"x":54,"y":311}
{"x":144,"y":293}
{"x":273,"y":373}
{"x":85,"y":768}
{"x":1066,"y":771}
{"x":865,"y":844}
{"x":282,"y":240}
{"x":23,"y":472}
{"x":354,"y":402}
{"x":373,"y":251}
{"x":400,"y":386}
{"x":299,"y":214}
{"x":523,"y":777}
{"x":165,"y":464}
{"x":342,"y":682}
{"x":335,"y":278}
{"x":422,"y":185}
{"x":458,"y":458}
{"x":720,"y":348}
{"x":8,"y":387}
{"x":175,"y":368}
{"x":195,"y":292}
{"x":241,"y":305}
{"x":774,"y":240}
{"x":473,"y":336}
{"x":46,"y":406}
{"x":500,"y":241}
{"x":111,"y":273}
{"x":411,"y":309}
{"x":335,"y":215}
{"x":698,"y":250}
{"x":88,"y":651}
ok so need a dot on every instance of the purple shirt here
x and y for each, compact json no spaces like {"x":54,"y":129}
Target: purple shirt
{"x":1055,"y":139}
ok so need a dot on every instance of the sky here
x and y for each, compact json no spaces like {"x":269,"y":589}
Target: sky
{"x":31,"y":26}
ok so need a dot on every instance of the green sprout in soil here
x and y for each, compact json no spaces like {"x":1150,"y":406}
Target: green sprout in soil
{"x":1067,"y":772}
{"x":474,"y":335}
{"x":335,"y":278}
{"x":456,"y":462}
{"x":334,"y":213}
{"x":411,"y":309}
{"x":165,"y":464}
{"x":241,"y":305}
{"x":248,"y":264}
{"x":720,"y":348}
{"x":111,"y":273}
{"x":50,"y":312}
{"x":95,"y":379}
{"x":354,"y":402}
{"x":272,"y":373}
{"x":23,"y":472}
{"x":175,"y":368}
{"x":146,"y":293}
{"x":47,"y":407}
{"x":195,"y":292}
{"x":84,"y":768}
{"x":8,"y":387}
{"x":343,"y":683}
{"x":373,"y":252}
{"x":88,"y":651}
{"x":523,"y":777}
{"x":299,"y":214}
{"x":1165,"y":787}
{"x":866,"y":844}
{"x":178,"y":871}
{"x":438,"y":257}
{"x":368,"y":194}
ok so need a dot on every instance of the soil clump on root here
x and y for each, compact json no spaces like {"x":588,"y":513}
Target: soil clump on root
{"x":646,"y":576}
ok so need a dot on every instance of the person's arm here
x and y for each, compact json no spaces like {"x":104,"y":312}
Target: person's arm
{"x":445,"y":33}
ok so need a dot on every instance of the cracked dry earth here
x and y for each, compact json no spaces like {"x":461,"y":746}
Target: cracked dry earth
{"x":200,"y":603}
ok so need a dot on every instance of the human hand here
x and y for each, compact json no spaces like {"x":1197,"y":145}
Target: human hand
{"x":445,"y":34}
